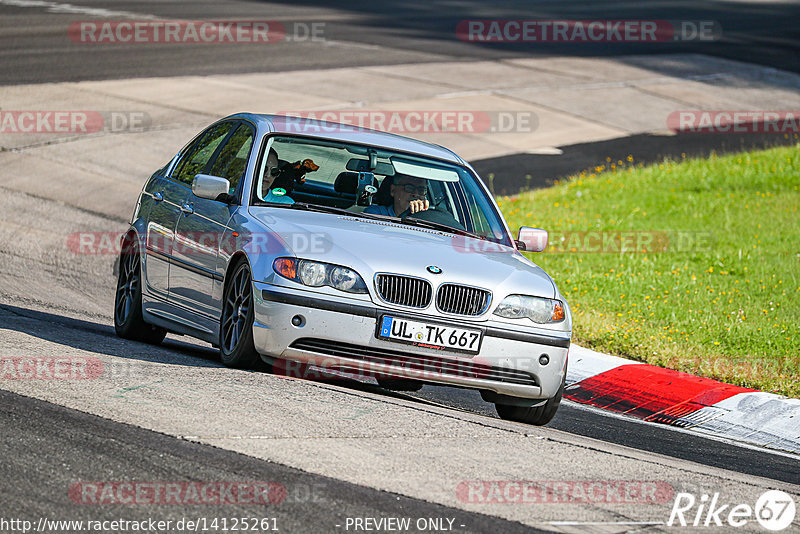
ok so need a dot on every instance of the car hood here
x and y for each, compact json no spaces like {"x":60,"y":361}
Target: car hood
{"x":371,"y":246}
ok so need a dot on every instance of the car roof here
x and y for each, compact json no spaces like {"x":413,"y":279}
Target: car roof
{"x":349,"y":134}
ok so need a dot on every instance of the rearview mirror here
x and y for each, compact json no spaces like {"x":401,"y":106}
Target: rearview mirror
{"x":532,"y":239}
{"x":210,"y":187}
{"x":366,"y":165}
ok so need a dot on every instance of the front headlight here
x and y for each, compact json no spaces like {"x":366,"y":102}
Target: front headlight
{"x":537,"y":309}
{"x":312,"y":273}
{"x":318,"y":274}
{"x":344,"y":279}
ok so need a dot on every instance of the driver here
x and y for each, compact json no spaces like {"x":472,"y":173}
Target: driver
{"x":276,"y":195}
{"x":408,"y":193}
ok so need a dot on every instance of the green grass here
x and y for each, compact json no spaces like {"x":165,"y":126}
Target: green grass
{"x":717,"y":292}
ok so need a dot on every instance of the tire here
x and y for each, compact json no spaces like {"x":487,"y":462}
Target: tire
{"x":128,"y":320}
{"x":236,"y":345}
{"x":537,"y":415}
{"x":399,"y":384}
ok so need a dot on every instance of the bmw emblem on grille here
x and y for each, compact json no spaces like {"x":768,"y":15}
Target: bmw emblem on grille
{"x":433,"y":269}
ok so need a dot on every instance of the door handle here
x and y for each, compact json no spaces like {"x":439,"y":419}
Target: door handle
{"x":158,"y":196}
{"x":187,"y":209}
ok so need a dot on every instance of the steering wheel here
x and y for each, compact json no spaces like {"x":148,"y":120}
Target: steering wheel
{"x":435,"y":216}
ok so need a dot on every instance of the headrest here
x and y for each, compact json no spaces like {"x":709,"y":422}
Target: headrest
{"x":384,"y":196}
{"x":346,"y":182}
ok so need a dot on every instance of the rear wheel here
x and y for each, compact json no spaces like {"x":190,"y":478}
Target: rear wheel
{"x":236,"y":345}
{"x":128,"y":320}
{"x":536,"y":415}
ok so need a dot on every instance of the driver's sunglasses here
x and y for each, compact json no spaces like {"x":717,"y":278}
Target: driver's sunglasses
{"x":418,"y":189}
{"x":274,"y":172}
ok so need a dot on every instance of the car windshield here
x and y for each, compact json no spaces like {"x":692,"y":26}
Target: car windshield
{"x":375,"y":182}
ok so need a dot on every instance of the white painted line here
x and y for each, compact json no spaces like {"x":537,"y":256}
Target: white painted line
{"x":597,"y":523}
{"x":63,"y":8}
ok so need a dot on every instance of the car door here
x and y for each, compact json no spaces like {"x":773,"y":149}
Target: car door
{"x":203,"y":223}
{"x":160,"y":234}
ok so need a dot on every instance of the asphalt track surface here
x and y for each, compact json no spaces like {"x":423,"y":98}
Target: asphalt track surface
{"x":302,"y":502}
{"x":571,"y":417}
{"x":37,"y":462}
{"x":35,"y":47}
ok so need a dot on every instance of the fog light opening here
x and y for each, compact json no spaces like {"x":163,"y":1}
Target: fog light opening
{"x":299,"y":321}
{"x":544,"y":359}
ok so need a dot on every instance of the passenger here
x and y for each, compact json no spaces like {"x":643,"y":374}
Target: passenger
{"x":407,"y":193}
{"x":275,"y":195}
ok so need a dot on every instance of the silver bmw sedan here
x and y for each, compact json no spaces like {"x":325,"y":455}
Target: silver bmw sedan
{"x":298,"y":244}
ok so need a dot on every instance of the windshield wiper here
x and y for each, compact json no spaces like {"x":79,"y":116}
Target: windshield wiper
{"x":326,"y":209}
{"x":413,"y":221}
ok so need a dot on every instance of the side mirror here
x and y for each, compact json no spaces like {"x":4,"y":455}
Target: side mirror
{"x":210,"y":187}
{"x":532,"y":239}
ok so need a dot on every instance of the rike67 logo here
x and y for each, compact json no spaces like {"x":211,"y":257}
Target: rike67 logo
{"x":774,"y":510}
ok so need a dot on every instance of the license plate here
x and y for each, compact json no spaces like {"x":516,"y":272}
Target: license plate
{"x":432,"y":336}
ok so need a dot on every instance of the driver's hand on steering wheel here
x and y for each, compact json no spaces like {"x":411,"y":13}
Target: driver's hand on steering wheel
{"x":418,"y":205}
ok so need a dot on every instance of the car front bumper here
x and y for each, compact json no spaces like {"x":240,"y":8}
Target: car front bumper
{"x":340,"y":333}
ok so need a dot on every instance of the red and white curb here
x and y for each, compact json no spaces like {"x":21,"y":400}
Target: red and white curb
{"x":670,"y":397}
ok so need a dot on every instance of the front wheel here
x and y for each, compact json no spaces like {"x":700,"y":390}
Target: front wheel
{"x":236,"y":345}
{"x":128,"y":320}
{"x":536,"y":415}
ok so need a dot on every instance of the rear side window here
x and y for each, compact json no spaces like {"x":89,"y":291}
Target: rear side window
{"x":232,"y":159}
{"x":200,"y":154}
